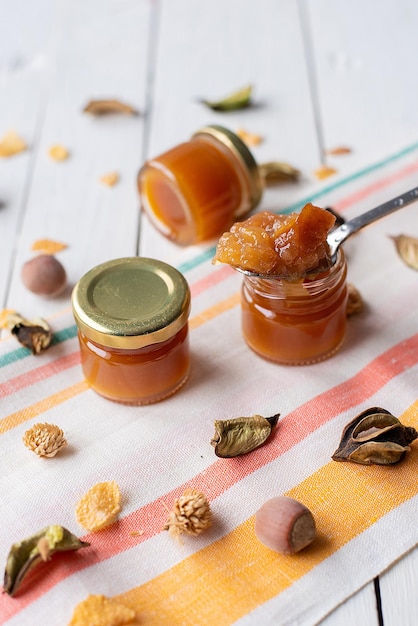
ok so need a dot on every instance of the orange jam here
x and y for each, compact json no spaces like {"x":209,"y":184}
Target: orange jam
{"x":132,"y":317}
{"x":295,"y":323}
{"x":294,"y":307}
{"x":196,"y":190}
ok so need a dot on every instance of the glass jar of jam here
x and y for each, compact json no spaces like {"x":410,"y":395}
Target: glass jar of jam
{"x":196,"y":190}
{"x":296,"y":323}
{"x":132,"y":317}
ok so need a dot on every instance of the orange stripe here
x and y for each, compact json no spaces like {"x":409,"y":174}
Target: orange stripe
{"x":214,"y":311}
{"x":13,"y":420}
{"x":238,"y":574}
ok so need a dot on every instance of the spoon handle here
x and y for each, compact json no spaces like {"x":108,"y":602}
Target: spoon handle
{"x":343,"y":232}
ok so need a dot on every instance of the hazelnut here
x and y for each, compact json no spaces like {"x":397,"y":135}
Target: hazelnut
{"x":44,"y":275}
{"x":284,"y":525}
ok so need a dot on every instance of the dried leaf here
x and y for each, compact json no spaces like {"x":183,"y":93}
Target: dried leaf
{"x":58,"y":153}
{"x":407,"y":248}
{"x":110,"y":179}
{"x":251,"y":139}
{"x":241,"y":435}
{"x":109,"y":107}
{"x":274,"y":172}
{"x":48,"y":246}
{"x":34,"y":334}
{"x":324,"y":172}
{"x":339,"y":150}
{"x":11,"y":144}
{"x":237,"y":100}
{"x":375,"y":436}
{"x":98,"y":610}
{"x":26,"y":554}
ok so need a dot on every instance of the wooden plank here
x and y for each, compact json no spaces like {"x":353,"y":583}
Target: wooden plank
{"x":209,"y":50}
{"x":360,"y":609}
{"x":23,"y":63}
{"x":398,"y":588}
{"x":364,"y":57}
{"x":99,"y":50}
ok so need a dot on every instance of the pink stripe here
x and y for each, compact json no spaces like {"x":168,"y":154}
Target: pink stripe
{"x":223,"y":474}
{"x":374,"y":187}
{"x":220,"y":273}
{"x":38,"y":374}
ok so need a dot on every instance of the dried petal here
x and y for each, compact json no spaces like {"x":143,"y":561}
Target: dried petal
{"x":375,"y":436}
{"x":48,"y":246}
{"x":109,"y":106}
{"x":11,"y":144}
{"x":98,"y":610}
{"x":324,"y":172}
{"x":191,"y":514}
{"x":251,"y":139}
{"x":44,"y":439}
{"x":355,"y":302}
{"x":237,"y":100}
{"x":24,"y":555}
{"x":339,"y":150}
{"x":100,"y":506}
{"x":274,"y":172}
{"x":407,"y":248}
{"x":240,"y":435}
{"x":58,"y":153}
{"x":110,"y":179}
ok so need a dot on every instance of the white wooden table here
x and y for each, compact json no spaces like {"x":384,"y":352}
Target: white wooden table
{"x":325,"y":72}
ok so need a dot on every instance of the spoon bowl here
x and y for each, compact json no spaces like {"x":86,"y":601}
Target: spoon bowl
{"x":338,"y":235}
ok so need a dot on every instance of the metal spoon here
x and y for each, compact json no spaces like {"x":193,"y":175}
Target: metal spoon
{"x":340,"y":234}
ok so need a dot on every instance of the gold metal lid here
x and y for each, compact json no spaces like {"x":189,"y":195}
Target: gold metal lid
{"x":131,"y":302}
{"x":243,"y":155}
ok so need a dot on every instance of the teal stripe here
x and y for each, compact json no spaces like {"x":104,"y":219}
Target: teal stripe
{"x":210,"y":253}
{"x":21,"y":353}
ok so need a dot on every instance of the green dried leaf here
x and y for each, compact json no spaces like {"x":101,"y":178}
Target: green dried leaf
{"x":274,"y":172}
{"x":26,"y":554}
{"x":240,"y":435}
{"x":407,"y":249}
{"x":375,"y":436}
{"x":237,"y":100}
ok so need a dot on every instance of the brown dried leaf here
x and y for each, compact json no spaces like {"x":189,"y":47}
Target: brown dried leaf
{"x":109,"y":107}
{"x":241,"y":435}
{"x":407,"y":248}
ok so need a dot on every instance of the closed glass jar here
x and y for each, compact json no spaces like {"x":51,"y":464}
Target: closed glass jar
{"x":196,"y":190}
{"x":296,"y":323}
{"x":132,"y":317}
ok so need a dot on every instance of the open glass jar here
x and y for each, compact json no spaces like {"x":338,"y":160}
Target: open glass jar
{"x":296,"y":323}
{"x":132,"y":317}
{"x":196,"y":190}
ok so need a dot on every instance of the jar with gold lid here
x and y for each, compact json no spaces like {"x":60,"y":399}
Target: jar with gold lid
{"x":196,"y":190}
{"x":132,"y":318}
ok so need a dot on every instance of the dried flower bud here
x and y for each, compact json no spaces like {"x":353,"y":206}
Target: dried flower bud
{"x":44,"y":439}
{"x":242,"y":434}
{"x":191,"y":514}
{"x":39,"y":547}
{"x":375,"y":436}
{"x":355,"y":302}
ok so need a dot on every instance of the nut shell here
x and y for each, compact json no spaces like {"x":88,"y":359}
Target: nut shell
{"x":284,"y":525}
{"x":44,"y":275}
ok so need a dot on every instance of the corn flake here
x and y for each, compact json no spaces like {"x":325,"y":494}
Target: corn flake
{"x":48,"y":246}
{"x":100,"y":506}
{"x":11,"y":144}
{"x":109,"y":179}
{"x":98,"y":610}
{"x":58,"y":153}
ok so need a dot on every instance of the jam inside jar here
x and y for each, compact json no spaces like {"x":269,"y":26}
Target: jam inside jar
{"x":196,"y":190}
{"x":296,"y":323}
{"x":132,"y":317}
